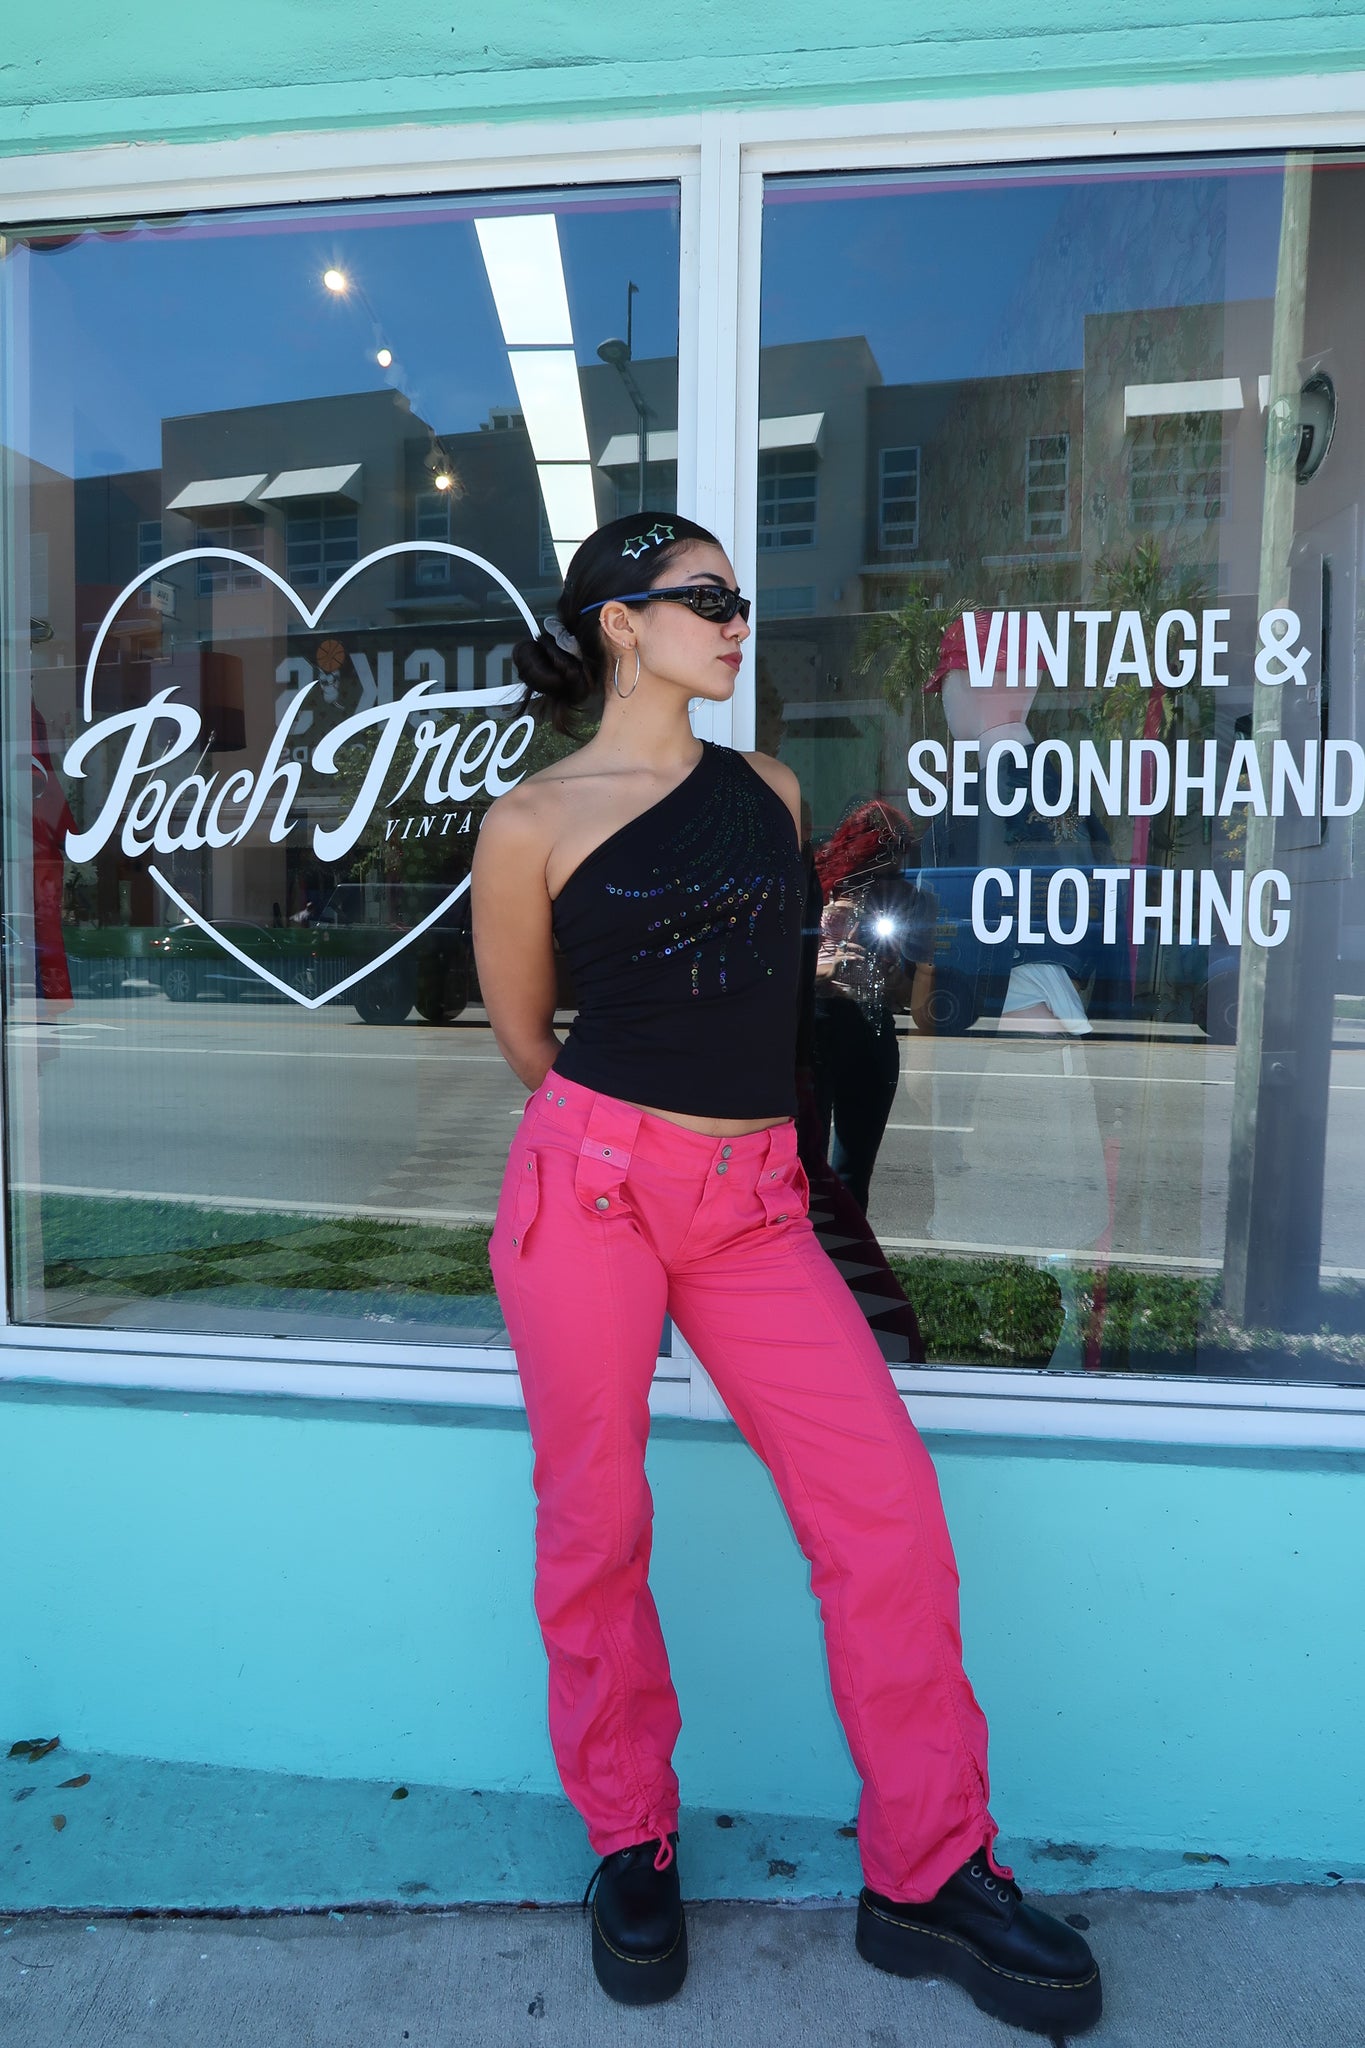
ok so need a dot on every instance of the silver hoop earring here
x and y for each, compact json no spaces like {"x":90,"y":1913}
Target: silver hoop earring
{"x":616,"y":677}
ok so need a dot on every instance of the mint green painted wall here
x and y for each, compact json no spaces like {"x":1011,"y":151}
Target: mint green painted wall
{"x":1169,"y":1647}
{"x":86,"y":72}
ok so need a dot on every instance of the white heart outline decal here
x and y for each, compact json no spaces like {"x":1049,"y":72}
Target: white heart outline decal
{"x":507,"y":694}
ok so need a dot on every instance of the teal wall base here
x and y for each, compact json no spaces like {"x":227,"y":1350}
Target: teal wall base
{"x":292,"y":1608}
{"x":155,"y":1837}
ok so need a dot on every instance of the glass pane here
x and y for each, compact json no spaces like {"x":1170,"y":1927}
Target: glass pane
{"x":282,"y":490}
{"x":1070,"y":462}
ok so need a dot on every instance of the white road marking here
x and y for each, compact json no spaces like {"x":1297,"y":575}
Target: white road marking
{"x":258,"y":1204}
{"x":265,"y":1052}
{"x":1086,"y":1256}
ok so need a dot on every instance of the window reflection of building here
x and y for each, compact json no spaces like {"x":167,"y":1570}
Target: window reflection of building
{"x":1047,"y":487}
{"x":244,"y":532}
{"x":1008,"y":491}
{"x":431,"y":521}
{"x":1128,"y":475}
{"x":1176,"y":471}
{"x":788,"y":600}
{"x":898,"y":498}
{"x":661,"y":483}
{"x":321,"y":538}
{"x":546,"y":559}
{"x":305,"y":487}
{"x":788,"y":486}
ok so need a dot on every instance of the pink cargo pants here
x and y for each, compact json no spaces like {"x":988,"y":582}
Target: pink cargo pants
{"x":609,"y":1217}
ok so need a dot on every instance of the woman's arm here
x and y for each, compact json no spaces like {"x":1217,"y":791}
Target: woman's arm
{"x":513,"y":935}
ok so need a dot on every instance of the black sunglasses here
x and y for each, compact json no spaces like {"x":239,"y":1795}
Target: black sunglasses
{"x":708,"y":600}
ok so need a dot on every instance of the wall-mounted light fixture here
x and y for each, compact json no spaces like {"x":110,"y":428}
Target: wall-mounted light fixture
{"x":1317,"y":424}
{"x":1298,"y":432}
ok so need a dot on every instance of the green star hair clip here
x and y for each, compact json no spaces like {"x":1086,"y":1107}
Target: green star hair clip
{"x":641,"y":543}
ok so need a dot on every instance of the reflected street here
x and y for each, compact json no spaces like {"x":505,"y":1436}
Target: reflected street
{"x":256,"y":1105}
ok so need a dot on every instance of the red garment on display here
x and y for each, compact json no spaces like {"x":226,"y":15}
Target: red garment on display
{"x":52,"y":820}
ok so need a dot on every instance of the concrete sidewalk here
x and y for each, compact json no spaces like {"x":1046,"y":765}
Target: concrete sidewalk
{"x":1267,"y":1968}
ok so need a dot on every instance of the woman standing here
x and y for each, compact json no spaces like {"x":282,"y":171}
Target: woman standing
{"x":655,"y":1171}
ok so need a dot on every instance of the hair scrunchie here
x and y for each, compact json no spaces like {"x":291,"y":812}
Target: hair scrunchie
{"x":561,"y":635}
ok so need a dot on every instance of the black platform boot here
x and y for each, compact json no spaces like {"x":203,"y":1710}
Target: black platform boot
{"x":1019,"y":1964}
{"x":639,"y":1935}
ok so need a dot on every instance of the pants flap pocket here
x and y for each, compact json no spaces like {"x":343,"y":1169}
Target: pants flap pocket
{"x":785,"y":1191}
{"x":526,"y":1202}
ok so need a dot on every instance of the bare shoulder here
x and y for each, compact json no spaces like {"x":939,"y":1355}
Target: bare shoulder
{"x":781,"y":780}
{"x":524,"y":821}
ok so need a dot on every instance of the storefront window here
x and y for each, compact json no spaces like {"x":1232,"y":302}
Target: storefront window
{"x":1073,"y":690}
{"x":281,"y":491}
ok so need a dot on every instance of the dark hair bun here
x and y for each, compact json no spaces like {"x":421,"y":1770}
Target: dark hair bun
{"x":558,"y":678}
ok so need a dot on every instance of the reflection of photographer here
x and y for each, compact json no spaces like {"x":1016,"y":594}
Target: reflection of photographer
{"x":876,"y":952}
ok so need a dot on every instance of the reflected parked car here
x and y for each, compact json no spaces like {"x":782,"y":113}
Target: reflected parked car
{"x":112,"y":959}
{"x":434,"y":973}
{"x":191,"y":963}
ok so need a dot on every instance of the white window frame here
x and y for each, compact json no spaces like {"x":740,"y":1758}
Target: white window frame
{"x":720,"y":161}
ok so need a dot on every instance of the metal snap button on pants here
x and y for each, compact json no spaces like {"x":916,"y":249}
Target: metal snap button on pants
{"x":609,"y":1217}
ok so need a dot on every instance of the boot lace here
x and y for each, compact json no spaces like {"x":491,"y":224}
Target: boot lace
{"x":663,"y":1856}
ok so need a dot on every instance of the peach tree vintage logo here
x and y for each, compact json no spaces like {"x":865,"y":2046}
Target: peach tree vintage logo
{"x":159,"y":803}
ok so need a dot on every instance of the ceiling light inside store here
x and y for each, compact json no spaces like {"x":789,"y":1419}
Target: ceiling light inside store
{"x":385,"y":358}
{"x":570,"y":506}
{"x":552,"y":403}
{"x":526,"y":276}
{"x":335,"y":280}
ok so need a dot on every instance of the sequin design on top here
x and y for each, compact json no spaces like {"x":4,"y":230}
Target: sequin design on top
{"x":682,"y":938}
{"x":705,"y":912}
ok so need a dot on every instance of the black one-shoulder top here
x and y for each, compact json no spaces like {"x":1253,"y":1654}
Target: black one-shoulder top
{"x":682,"y":933}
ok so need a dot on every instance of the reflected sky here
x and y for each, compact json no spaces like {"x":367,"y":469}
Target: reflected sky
{"x":224,"y":312}
{"x":978,"y":275}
